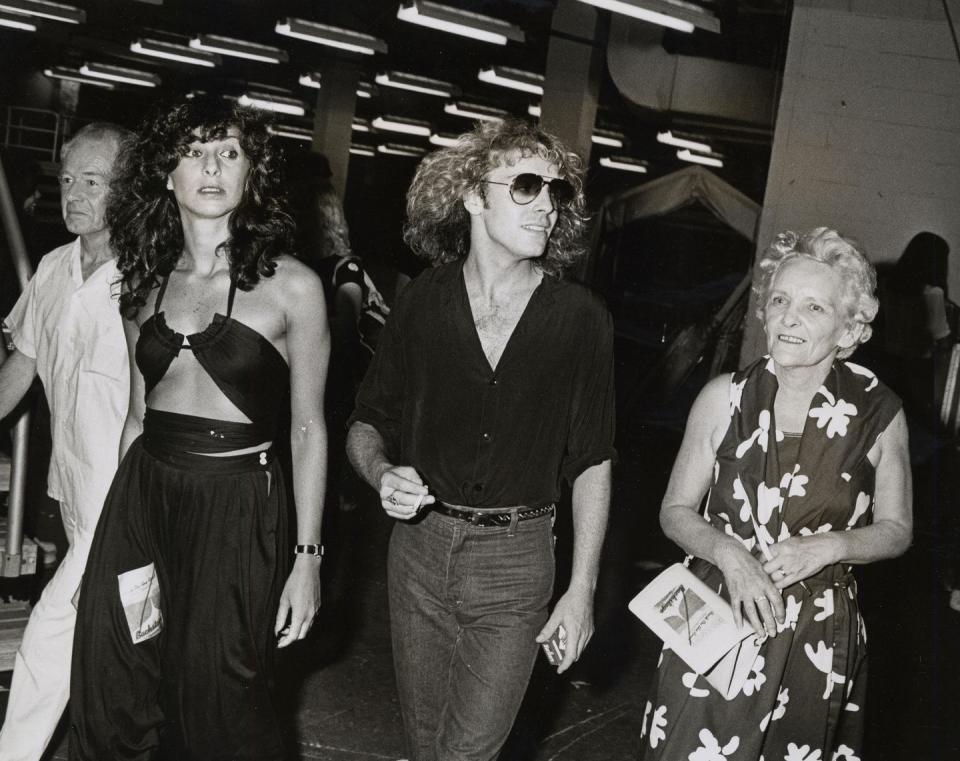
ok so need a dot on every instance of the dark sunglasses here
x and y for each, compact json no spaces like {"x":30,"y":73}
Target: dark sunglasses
{"x":524,"y":188}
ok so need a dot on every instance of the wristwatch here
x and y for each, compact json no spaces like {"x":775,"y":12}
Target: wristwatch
{"x":309,"y":549}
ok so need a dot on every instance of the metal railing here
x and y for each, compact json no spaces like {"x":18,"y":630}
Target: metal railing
{"x":34,"y":129}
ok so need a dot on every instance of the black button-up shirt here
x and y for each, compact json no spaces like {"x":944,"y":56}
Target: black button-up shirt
{"x":488,"y":438}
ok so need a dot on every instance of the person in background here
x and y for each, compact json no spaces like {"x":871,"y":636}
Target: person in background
{"x":189,"y":590}
{"x":66,"y":328}
{"x":803,"y":458}
{"x":492,"y":384}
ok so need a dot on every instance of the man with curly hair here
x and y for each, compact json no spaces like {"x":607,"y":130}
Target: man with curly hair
{"x":492,"y":384}
{"x":66,"y":328}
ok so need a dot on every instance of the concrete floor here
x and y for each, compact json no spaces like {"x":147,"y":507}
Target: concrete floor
{"x":339,"y":682}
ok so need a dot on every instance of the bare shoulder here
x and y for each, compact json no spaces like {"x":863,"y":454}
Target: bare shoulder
{"x":294,"y":284}
{"x":710,"y":415}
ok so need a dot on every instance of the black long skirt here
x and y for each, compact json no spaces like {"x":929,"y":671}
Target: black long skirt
{"x":187,"y":672}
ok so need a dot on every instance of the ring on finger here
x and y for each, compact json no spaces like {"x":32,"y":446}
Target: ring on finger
{"x":760,"y":599}
{"x":392,"y":499}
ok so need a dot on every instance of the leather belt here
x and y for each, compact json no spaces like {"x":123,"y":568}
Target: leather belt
{"x":488,"y":517}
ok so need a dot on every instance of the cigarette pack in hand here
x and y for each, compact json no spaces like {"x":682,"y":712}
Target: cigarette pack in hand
{"x":556,"y":646}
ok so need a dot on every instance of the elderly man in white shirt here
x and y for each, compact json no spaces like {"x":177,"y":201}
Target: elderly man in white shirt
{"x":66,"y":328}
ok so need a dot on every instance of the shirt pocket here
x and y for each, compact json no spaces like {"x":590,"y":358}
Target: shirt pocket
{"x":104,"y":355}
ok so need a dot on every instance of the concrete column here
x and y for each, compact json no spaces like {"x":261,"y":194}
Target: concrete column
{"x":575,"y":65}
{"x":333,"y":118}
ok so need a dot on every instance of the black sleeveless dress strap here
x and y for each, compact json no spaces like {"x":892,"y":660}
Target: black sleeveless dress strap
{"x":244,"y":365}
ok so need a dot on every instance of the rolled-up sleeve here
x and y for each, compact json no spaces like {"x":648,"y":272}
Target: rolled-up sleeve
{"x":592,"y":423}
{"x":381,"y":395}
{"x":21,"y":322}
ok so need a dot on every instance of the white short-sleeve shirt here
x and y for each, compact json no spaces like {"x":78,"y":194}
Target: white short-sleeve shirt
{"x":73,"y":328}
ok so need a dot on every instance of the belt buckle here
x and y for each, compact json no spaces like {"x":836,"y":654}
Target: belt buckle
{"x":475,"y":517}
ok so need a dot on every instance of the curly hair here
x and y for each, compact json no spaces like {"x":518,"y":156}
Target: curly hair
{"x":144,"y":220}
{"x":826,"y":246}
{"x":438,"y":225}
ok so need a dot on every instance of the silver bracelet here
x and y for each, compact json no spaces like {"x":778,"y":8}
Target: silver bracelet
{"x":309,"y":549}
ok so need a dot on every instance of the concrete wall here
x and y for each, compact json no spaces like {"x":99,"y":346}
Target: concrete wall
{"x":867,"y":136}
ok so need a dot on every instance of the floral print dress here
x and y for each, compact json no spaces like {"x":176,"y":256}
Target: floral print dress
{"x":804,"y":698}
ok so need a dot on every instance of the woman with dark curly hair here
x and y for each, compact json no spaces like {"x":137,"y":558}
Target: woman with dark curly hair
{"x":187,"y":592}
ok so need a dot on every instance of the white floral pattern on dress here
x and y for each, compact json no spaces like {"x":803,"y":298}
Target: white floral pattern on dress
{"x":801,"y":753}
{"x":759,"y":436}
{"x":822,"y":659}
{"x":835,"y":416}
{"x":791,"y":613}
{"x":825,"y":602}
{"x":657,"y":724}
{"x":736,"y":393}
{"x":860,"y":508}
{"x":756,"y":678}
{"x":779,"y":710}
{"x":646,"y":715}
{"x":710,"y":749}
{"x":845,"y":753}
{"x":860,"y":370}
{"x":689,"y":680}
{"x":796,"y":482}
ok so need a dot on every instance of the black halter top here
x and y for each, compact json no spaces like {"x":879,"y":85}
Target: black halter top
{"x":246,"y":367}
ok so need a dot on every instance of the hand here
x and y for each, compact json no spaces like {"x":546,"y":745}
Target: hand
{"x":403,"y":493}
{"x":752,"y":592}
{"x":574,"y":612}
{"x":300,"y":600}
{"x":798,"y":558}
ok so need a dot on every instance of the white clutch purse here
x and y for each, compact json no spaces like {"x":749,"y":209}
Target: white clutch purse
{"x":697,"y":624}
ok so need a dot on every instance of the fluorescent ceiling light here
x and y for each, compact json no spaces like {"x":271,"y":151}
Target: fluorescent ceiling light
{"x":366,"y":90}
{"x":254,"y":51}
{"x":360,"y":125}
{"x":623,"y":163}
{"x":607,"y":137}
{"x":675,"y":14}
{"x":456,"y":21}
{"x":668,"y":138}
{"x":473,"y":111}
{"x":416,"y":83}
{"x":19,"y":21}
{"x":361,"y":150}
{"x":120,"y":74}
{"x":396,"y":149}
{"x":295,"y":133}
{"x":171,"y":52}
{"x":62,"y":72}
{"x":535,"y":110}
{"x":343,"y":39}
{"x":269,"y":102}
{"x":310,"y":79}
{"x":712,"y":159}
{"x":399,"y":124}
{"x":56,"y":11}
{"x":527,"y":81}
{"x":439,"y":138}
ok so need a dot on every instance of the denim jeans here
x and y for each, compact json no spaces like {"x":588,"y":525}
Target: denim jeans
{"x":466,"y":603}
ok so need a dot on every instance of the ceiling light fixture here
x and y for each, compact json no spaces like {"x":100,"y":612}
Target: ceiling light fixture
{"x":416,"y":83}
{"x":474,"y":111}
{"x":675,"y":14}
{"x":367,"y":90}
{"x":287,"y":130}
{"x":396,"y":149}
{"x":668,"y":138}
{"x":310,"y":79}
{"x":18,"y":21}
{"x":362,"y":150}
{"x":442,"y":139}
{"x":280,"y":104}
{"x":55,"y":11}
{"x":607,"y":137}
{"x":710,"y":159}
{"x":72,"y":75}
{"x":400,"y":124}
{"x":172,"y":52}
{"x":527,"y":81}
{"x":624,"y":163}
{"x":254,"y":51}
{"x":456,"y":21}
{"x":120,"y":74}
{"x":332,"y":36}
{"x":360,"y":125}
{"x":535,"y":110}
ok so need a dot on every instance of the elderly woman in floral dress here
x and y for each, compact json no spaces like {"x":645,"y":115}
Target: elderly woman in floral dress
{"x":805,"y":460}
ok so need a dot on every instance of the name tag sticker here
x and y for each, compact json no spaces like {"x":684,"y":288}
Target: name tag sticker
{"x":140,"y":597}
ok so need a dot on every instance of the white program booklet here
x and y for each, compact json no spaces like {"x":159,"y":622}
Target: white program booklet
{"x":697,"y":624}
{"x":140,"y":597}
